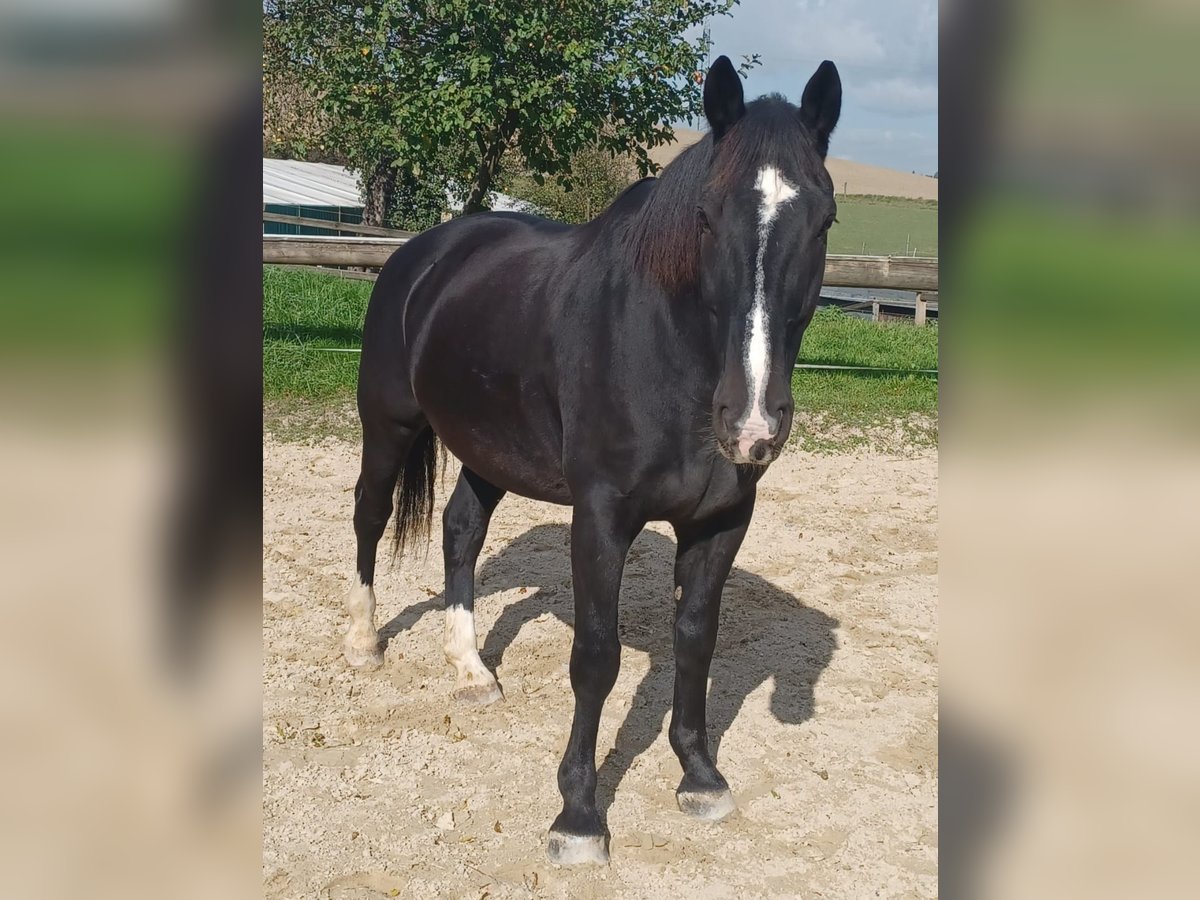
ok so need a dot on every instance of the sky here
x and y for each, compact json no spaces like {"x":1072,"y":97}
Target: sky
{"x":885,"y":51}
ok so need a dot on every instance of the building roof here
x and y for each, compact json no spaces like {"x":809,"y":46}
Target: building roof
{"x":297,"y":183}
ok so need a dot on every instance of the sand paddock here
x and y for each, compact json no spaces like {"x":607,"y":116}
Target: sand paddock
{"x":823,"y":703}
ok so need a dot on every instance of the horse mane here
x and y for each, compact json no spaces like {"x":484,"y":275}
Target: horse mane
{"x":664,"y":239}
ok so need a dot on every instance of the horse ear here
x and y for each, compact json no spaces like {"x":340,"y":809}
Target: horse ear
{"x":822,"y":104}
{"x":723,"y":100}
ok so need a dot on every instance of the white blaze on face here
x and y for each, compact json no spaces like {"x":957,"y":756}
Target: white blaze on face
{"x":756,"y":425}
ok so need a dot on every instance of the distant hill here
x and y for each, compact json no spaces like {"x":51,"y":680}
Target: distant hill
{"x":848,"y":177}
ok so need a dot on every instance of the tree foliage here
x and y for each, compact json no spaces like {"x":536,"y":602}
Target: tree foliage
{"x":453,"y":88}
{"x":597,"y":177}
{"x":294,"y":124}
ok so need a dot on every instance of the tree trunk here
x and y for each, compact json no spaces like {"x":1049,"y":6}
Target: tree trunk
{"x":482,"y":182}
{"x":480,"y":185}
{"x":380,"y":194}
{"x":489,"y":165}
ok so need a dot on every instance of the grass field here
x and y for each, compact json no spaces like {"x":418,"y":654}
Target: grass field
{"x":89,"y":240}
{"x":307,"y":314}
{"x":885,"y":226}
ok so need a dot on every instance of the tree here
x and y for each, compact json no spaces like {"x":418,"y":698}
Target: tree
{"x":597,"y":177}
{"x":443,"y":90}
{"x":294,"y":124}
{"x":299,"y":123}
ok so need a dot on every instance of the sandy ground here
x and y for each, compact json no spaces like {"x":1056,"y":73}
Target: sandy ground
{"x":849,"y":177}
{"x":823,"y":701}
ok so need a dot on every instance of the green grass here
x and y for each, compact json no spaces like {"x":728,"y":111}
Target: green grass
{"x":839,"y":409}
{"x":89,"y":239}
{"x":304,"y":312}
{"x":885,"y":226}
{"x":309,"y":391}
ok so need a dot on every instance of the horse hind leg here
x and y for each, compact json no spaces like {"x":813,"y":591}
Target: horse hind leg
{"x":465,"y":524}
{"x":385,"y":450}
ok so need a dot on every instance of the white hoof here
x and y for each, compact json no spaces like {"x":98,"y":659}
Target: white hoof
{"x":363,"y":655}
{"x":577,"y":849}
{"x":479,"y":693}
{"x":709,"y":806}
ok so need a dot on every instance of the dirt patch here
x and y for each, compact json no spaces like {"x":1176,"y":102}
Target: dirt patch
{"x":823,"y":701}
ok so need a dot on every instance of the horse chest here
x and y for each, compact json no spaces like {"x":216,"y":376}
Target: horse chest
{"x":722,"y":488}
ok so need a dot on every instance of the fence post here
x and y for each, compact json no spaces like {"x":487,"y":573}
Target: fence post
{"x":919,"y":316}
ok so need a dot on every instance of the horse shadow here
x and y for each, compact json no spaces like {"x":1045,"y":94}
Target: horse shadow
{"x":765,"y":633}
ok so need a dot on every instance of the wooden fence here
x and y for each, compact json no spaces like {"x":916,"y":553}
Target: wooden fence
{"x":371,"y":247}
{"x":898,"y":273}
{"x":331,"y":225}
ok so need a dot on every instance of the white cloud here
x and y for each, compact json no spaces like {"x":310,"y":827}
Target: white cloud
{"x":850,"y":43}
{"x":873,"y":37}
{"x":885,"y":50}
{"x":906,"y":150}
{"x":899,"y":96}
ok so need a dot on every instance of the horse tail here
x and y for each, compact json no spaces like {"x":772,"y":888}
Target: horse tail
{"x":414,"y":493}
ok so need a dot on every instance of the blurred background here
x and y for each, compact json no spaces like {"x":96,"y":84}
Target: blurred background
{"x":1070,"y":491}
{"x":130,"y":387}
{"x":129,"y":448}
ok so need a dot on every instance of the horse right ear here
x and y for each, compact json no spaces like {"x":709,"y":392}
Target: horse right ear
{"x":724,"y":103}
{"x":821,"y":105}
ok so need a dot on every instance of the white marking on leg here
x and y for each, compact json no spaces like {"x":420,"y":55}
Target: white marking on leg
{"x":577,"y":849}
{"x":473,"y":680}
{"x":757,"y":424}
{"x":461,"y":645}
{"x":362,"y":640}
{"x":712,"y":807}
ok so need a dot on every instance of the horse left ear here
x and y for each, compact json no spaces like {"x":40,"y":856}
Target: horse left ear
{"x":822,"y":104}
{"x":724,"y":103}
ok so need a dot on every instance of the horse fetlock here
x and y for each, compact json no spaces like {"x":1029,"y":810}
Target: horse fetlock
{"x":361,"y":647}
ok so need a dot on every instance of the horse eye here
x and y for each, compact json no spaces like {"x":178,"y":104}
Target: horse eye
{"x":702,"y":220}
{"x":824,"y":231}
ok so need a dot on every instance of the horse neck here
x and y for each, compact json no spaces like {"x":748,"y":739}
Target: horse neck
{"x":677,"y":309}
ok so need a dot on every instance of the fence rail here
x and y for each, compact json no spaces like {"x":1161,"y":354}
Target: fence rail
{"x":311,"y":250}
{"x":898,"y":273}
{"x":332,"y":225}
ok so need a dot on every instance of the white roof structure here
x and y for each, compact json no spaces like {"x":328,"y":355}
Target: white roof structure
{"x":297,"y":183}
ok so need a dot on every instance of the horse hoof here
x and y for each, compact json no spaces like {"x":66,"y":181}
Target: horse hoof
{"x":577,"y":849}
{"x":711,"y":806}
{"x":478,"y":694}
{"x":368,"y":657}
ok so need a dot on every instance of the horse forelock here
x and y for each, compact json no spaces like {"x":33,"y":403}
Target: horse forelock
{"x":665,"y":238}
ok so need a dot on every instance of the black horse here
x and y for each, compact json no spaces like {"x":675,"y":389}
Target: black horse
{"x":637,"y":368}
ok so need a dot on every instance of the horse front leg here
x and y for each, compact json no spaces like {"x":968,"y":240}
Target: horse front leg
{"x":702,"y":563}
{"x":601,"y":533}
